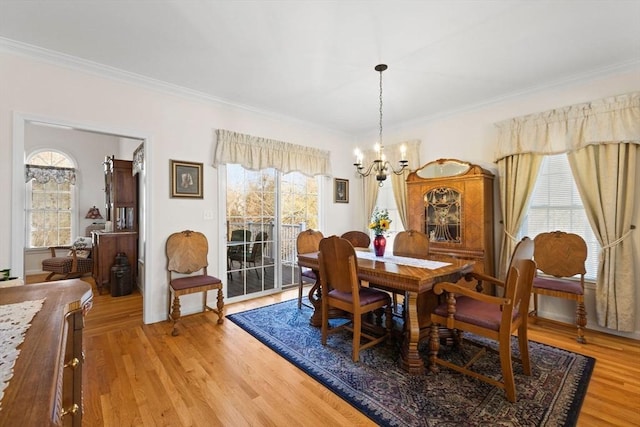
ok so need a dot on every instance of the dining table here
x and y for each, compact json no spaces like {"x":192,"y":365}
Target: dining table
{"x":411,"y":276}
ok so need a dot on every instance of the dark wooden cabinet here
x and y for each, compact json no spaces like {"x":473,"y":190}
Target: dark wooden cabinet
{"x":121,"y":197}
{"x":452,"y":202}
{"x":105,"y":248}
{"x":121,"y":194}
{"x":46,"y":386}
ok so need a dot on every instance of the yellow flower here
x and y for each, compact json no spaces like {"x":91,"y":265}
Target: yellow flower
{"x":380,"y":221}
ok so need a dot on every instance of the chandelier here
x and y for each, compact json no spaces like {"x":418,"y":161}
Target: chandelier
{"x":380,"y":166}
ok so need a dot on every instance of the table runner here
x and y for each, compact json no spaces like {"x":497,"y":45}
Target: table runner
{"x":15,"y":320}
{"x":412,"y":262}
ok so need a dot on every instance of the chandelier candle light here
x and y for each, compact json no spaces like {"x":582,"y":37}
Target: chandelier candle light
{"x":380,"y":166}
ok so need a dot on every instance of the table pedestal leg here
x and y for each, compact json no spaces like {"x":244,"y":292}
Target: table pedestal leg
{"x":410,"y":357}
{"x":314,"y":299}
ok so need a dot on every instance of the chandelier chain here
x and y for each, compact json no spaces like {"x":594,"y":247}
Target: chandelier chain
{"x":380,"y":136}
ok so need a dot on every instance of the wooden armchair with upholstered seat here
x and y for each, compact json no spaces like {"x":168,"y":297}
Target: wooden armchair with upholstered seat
{"x":68,"y":262}
{"x":359,"y":239}
{"x":560,"y":257}
{"x":187,"y":254}
{"x":496,"y":318}
{"x":341,"y":289}
{"x":308,"y":241}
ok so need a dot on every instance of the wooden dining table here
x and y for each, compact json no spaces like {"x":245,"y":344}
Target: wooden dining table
{"x":410,"y":280}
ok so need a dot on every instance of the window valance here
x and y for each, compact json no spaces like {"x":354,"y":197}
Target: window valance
{"x":44,"y":174}
{"x":138,"y":160}
{"x":609,"y":120}
{"x":256,"y":153}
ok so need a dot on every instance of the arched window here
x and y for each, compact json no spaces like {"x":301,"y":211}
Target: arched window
{"x":50,"y":186}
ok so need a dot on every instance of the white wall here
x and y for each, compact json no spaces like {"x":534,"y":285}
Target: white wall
{"x":175,"y":127}
{"x":472,"y":136}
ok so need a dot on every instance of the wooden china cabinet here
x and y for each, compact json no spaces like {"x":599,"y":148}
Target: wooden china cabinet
{"x":121,"y":206}
{"x":452,"y":202}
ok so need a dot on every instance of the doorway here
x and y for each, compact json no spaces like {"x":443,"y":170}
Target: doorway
{"x":87,"y":197}
{"x":265,"y":212}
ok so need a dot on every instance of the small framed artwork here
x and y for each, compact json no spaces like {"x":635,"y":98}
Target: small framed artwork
{"x":186,"y":179}
{"x":341,"y":190}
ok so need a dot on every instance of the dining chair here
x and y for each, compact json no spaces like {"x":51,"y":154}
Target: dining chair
{"x":341,"y":289}
{"x":254,"y":256}
{"x":239,"y":235}
{"x":410,"y":244}
{"x":187,"y":254}
{"x":496,"y":318}
{"x":359,"y":239}
{"x":307,"y":241}
{"x":560,"y":257}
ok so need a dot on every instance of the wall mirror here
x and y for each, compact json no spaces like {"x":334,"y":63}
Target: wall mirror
{"x":443,"y":167}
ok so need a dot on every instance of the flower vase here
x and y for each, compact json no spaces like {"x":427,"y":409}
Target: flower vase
{"x":379,"y":244}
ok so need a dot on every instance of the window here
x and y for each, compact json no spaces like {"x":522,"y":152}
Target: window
{"x":556,"y":205}
{"x":49,"y":200}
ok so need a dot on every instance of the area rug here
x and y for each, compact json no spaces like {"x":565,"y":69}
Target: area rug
{"x":379,"y":388}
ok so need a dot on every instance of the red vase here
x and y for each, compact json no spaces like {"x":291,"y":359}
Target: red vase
{"x":379,"y":244}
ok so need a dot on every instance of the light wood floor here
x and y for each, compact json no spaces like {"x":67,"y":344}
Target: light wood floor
{"x":139,"y":375}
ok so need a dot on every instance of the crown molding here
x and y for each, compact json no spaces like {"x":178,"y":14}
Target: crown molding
{"x":575,"y":79}
{"x":105,"y":71}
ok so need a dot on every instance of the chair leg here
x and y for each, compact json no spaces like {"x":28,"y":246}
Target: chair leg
{"x":300,"y":286}
{"x":523,"y":342}
{"x":389,"y":319}
{"x":175,"y":314}
{"x":507,"y":370}
{"x":357,"y":332}
{"x":220,"y":306}
{"x":581,"y":321}
{"x":325,"y":321}
{"x":434,"y":347}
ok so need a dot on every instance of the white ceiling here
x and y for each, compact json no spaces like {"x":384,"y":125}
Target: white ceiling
{"x":314,"y":60}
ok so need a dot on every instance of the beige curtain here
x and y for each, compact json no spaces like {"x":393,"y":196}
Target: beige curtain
{"x":605,"y":175}
{"x":256,"y":153}
{"x":598,"y":170}
{"x":400,"y":181}
{"x":518,"y":175}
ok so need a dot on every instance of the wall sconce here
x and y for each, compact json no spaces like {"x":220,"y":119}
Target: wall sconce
{"x":94,"y":213}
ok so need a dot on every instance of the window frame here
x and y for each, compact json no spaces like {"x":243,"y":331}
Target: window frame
{"x":73,"y":210}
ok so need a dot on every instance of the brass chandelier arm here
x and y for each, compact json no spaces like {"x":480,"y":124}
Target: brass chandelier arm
{"x":379,"y":166}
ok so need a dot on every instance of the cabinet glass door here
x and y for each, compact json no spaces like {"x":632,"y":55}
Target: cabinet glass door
{"x":442,"y":214}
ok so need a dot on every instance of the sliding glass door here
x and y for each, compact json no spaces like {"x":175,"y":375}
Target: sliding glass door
{"x":265,"y":212}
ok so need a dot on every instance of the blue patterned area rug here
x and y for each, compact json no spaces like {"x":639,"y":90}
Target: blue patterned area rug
{"x":551,"y":396}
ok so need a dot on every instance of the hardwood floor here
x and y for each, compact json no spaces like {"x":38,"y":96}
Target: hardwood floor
{"x":139,"y":375}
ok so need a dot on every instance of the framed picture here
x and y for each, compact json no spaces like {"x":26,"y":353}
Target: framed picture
{"x":186,"y":179}
{"x":341,"y":190}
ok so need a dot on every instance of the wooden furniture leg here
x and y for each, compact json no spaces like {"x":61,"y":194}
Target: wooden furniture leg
{"x":410,"y":357}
